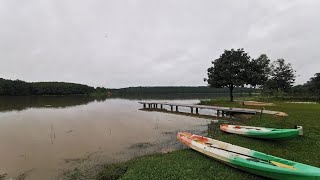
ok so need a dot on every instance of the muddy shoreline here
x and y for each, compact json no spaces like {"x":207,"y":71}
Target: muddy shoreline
{"x":89,"y":166}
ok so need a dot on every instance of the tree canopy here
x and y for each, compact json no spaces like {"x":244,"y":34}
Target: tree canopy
{"x":235,"y":68}
{"x":259,"y":70}
{"x":282,"y":76}
{"x":230,"y":70}
{"x":313,"y":85}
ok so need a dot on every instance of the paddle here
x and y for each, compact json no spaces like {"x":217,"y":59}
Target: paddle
{"x":283,"y":165}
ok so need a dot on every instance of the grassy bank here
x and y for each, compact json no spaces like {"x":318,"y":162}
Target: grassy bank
{"x":182,"y":164}
{"x":188,"y":164}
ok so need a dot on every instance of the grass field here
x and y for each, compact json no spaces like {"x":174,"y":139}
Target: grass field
{"x":188,"y":164}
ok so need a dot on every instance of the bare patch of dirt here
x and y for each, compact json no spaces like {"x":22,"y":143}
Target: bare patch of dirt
{"x":141,"y":145}
{"x":256,"y":103}
{"x":3,"y":176}
{"x":23,"y":175}
{"x":168,"y":132}
{"x":243,"y":116}
{"x":281,"y":114}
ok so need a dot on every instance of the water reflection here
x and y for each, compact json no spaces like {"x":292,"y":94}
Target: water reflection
{"x":182,"y":113}
{"x":213,"y":124}
{"x":172,"y":96}
{"x":42,"y":142}
{"x":18,"y":103}
{"x":47,"y":138}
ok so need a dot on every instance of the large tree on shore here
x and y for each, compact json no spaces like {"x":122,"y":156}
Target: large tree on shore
{"x":229,"y":70}
{"x":282,"y":76}
{"x":259,"y":70}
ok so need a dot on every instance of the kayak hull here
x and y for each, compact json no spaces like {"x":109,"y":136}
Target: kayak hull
{"x":274,"y":175}
{"x":249,"y":160}
{"x":275,"y":136}
{"x":261,"y":132}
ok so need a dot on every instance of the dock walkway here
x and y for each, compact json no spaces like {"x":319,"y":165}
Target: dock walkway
{"x":219,"y":109}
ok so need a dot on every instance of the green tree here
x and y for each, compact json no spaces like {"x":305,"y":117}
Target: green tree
{"x":282,"y":76}
{"x":314,"y":84}
{"x":259,"y":70}
{"x":230,"y":70}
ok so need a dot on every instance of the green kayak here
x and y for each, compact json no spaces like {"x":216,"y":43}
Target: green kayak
{"x":249,"y":160}
{"x":261,"y":132}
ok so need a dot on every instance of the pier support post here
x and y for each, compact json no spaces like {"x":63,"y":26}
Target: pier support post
{"x":197,"y":111}
{"x":144,"y":106}
{"x":161,"y":106}
{"x":191,"y":110}
{"x":261,"y":113}
{"x":171,"y":108}
{"x":149,"y":106}
{"x":177,"y":108}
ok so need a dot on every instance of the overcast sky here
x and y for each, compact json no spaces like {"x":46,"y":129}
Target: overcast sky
{"x":148,"y":42}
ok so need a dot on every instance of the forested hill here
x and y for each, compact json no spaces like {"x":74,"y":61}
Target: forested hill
{"x":179,"y":89}
{"x":18,"y":87}
{"x":22,"y":88}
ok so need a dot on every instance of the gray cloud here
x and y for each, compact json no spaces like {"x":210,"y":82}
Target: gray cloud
{"x":150,"y":42}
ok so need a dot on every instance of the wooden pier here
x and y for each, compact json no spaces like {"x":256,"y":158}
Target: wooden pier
{"x":219,"y":109}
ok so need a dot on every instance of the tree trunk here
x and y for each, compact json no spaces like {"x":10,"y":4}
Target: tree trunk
{"x":231,"y":95}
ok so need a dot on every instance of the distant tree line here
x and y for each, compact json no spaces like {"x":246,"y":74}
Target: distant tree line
{"x":20,"y":88}
{"x":177,"y":90}
{"x":311,"y":88}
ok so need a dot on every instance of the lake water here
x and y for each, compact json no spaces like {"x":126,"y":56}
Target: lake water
{"x":43,"y":137}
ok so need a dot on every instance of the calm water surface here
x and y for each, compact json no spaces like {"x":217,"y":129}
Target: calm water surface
{"x":41,"y":137}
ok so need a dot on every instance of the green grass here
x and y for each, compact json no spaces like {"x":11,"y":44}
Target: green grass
{"x":302,"y":149}
{"x":3,"y":176}
{"x":182,"y":164}
{"x":188,"y":164}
